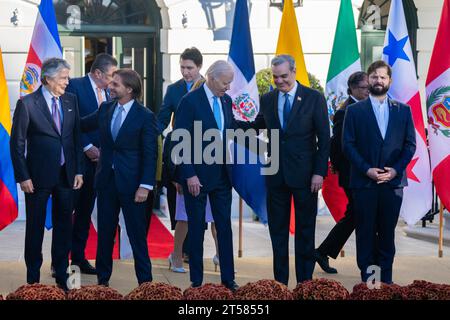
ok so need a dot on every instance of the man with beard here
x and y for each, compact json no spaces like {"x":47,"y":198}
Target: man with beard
{"x":379,"y":140}
{"x":358,"y":90}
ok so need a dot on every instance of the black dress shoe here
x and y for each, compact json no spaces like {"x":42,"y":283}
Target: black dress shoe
{"x":62,"y":285}
{"x":195,"y":285}
{"x":323,"y":262}
{"x":232,"y":285}
{"x":53,"y":272}
{"x":85,"y":267}
{"x":103,"y":283}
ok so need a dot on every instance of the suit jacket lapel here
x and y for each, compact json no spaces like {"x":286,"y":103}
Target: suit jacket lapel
{"x":393,"y":108}
{"x":226,"y":107}
{"x":298,"y":99}
{"x":275,"y":107}
{"x":209,"y":113}
{"x":90,"y":90}
{"x":67,"y":111}
{"x":43,"y":107}
{"x":109,"y":115}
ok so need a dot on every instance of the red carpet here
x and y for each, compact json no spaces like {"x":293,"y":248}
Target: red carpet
{"x":160,"y":241}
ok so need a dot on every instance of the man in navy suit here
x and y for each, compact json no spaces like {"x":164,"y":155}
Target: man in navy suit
{"x":125,"y":172}
{"x":300,"y":116}
{"x":191,"y":61}
{"x":47,"y":159}
{"x":207,"y":108}
{"x":379,"y":140}
{"x":91,"y":91}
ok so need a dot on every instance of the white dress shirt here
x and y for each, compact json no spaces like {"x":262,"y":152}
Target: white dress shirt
{"x":381,"y":110}
{"x":126,"y":109}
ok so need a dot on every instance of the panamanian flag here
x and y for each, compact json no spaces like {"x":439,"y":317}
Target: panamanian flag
{"x":417,"y":196}
{"x":247,"y":178}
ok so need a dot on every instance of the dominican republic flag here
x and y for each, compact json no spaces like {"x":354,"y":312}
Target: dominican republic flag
{"x":45,"y":44}
{"x":438,"y":104}
{"x":247,"y":178}
{"x":397,"y":53}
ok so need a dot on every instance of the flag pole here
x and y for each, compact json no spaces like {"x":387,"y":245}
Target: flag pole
{"x":240,"y":228}
{"x":441,"y":229}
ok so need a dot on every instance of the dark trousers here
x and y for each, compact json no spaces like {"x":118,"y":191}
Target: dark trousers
{"x":84,"y":204}
{"x":220,"y":200}
{"x":279,"y":211}
{"x":340,"y":233}
{"x":109,"y":203}
{"x":62,"y":206}
{"x":376,"y":215}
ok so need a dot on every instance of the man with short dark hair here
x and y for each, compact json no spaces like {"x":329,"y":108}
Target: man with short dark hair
{"x":91,"y":91}
{"x":379,"y":141}
{"x":47,"y":159}
{"x":125,"y":173}
{"x":358,"y":89}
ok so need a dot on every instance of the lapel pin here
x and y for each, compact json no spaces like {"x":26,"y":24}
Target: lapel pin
{"x":299,"y":99}
{"x":69,"y":110}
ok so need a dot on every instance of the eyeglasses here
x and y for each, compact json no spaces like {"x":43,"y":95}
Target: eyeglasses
{"x":363,"y":87}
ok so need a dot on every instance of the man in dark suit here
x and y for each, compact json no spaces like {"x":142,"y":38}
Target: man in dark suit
{"x":91,"y":91}
{"x":47,"y":159}
{"x":300,"y":116}
{"x":191,"y":61}
{"x":379,"y":140}
{"x":207,"y":108}
{"x":358,"y":89}
{"x":125,"y":172}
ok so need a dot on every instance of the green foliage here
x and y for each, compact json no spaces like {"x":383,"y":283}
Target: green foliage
{"x":264,"y":80}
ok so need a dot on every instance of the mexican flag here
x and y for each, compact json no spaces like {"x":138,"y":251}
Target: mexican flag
{"x":344,"y":58}
{"x":344,"y":61}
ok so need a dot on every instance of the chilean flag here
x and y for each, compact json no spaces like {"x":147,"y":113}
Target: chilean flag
{"x":45,"y":44}
{"x":247,"y":178}
{"x":438,"y":104}
{"x":397,"y":53}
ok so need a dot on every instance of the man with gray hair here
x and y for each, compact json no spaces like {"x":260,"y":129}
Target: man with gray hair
{"x":207,"y":108}
{"x":48,"y":161}
{"x":300,"y":115}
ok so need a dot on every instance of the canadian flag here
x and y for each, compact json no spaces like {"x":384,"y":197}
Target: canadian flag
{"x":417,"y":196}
{"x":438,"y":104}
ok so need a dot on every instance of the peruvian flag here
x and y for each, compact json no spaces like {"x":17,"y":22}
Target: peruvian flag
{"x":438,"y":104}
{"x":397,"y":53}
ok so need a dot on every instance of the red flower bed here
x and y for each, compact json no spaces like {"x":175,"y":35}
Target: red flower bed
{"x":155,"y":291}
{"x":37,"y":291}
{"x":94,"y":292}
{"x":209,"y":291}
{"x":320,"y":289}
{"x":385,"y":292}
{"x":423,"y":290}
{"x":263,"y":290}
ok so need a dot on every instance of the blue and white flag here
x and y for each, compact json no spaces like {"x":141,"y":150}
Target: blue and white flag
{"x":247,"y":178}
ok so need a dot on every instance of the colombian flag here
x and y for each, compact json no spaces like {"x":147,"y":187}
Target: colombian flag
{"x":8,"y":189}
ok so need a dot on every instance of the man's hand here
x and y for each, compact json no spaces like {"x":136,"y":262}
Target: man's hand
{"x":374,"y":173}
{"x":316,"y":183}
{"x":93,"y":153}
{"x":194,"y":185}
{"x":388,"y":175}
{"x":141,"y":195}
{"x":27,"y":186}
{"x":78,"y":181}
{"x":178,"y":187}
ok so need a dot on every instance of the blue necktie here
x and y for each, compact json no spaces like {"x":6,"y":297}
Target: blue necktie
{"x":216,"y":110}
{"x":117,"y":122}
{"x":286,"y":110}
